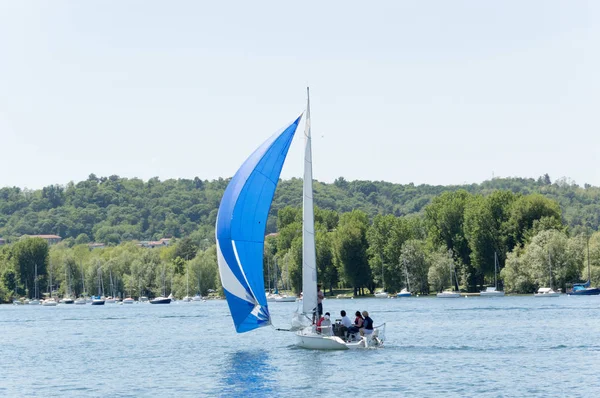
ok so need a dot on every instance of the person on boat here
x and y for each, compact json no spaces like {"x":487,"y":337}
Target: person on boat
{"x":345,"y":323}
{"x":357,"y":325}
{"x":320,"y":297}
{"x":367,"y":324}
{"x":324,"y":324}
{"x":318,"y":312}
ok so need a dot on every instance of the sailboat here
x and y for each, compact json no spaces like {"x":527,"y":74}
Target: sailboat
{"x":405,"y":292}
{"x":99,"y":300}
{"x":187,"y":297}
{"x":493,"y":291}
{"x":36,"y":290}
{"x":584,"y":289}
{"x":240,"y":234}
{"x":162,"y":299}
{"x":382,"y":293}
{"x":82,"y":300}
{"x":67,"y":299}
{"x":450,"y":293}
{"x":547,"y":291}
{"x":49,"y":302}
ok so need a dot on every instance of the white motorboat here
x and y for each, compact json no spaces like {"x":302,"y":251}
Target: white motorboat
{"x":341,"y":296}
{"x":381,"y":295}
{"x":197,"y":298}
{"x":17,"y":302}
{"x":143,"y":299}
{"x":128,"y":300}
{"x":34,"y":302}
{"x":493,"y":291}
{"x":49,"y":303}
{"x":81,"y":301}
{"x":284,"y":298}
{"x":546,"y":292}
{"x":448,"y":294}
{"x":67,"y":300}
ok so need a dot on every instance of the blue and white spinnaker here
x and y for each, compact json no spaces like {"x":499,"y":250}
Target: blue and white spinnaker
{"x":240,"y":230}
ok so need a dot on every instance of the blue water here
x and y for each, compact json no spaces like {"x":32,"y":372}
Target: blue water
{"x":485,"y":347}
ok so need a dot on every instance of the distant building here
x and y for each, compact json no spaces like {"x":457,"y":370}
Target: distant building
{"x":2,"y":242}
{"x":156,"y":243}
{"x":95,"y":245}
{"x":51,"y":239}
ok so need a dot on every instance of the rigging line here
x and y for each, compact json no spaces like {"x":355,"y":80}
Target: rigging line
{"x":280,"y":329}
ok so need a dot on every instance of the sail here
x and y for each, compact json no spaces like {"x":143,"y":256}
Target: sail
{"x":240,"y":230}
{"x":309,"y":258}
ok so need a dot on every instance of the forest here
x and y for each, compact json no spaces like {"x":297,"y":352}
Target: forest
{"x":370,"y":235}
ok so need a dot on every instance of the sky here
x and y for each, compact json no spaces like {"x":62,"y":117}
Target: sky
{"x":428,"y":92}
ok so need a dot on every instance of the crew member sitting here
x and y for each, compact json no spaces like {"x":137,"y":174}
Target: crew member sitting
{"x":324,"y":324}
{"x":367,"y":325}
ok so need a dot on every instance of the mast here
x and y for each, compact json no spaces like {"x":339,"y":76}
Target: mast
{"x":309,"y":257}
{"x":84,"y":293}
{"x":495,"y":270}
{"x":550,"y":267}
{"x":406,"y":270}
{"x":35,"y":291}
{"x":588,"y":255}
{"x":382,"y":277}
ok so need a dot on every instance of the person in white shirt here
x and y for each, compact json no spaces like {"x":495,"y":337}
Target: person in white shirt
{"x":345,"y":323}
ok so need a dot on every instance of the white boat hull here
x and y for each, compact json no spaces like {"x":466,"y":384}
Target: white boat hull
{"x":313,"y":341}
{"x":555,"y":294}
{"x":491,"y":294}
{"x":308,"y":338}
{"x":448,"y":295}
{"x":286,"y":299}
{"x":381,"y":295}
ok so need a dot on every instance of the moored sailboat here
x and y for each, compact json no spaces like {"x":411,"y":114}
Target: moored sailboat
{"x":493,"y":291}
{"x":450,"y":293}
{"x":547,"y":291}
{"x":585,"y":289}
{"x":405,"y":292}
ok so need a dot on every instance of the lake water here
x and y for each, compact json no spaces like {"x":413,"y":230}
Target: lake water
{"x":485,"y":347}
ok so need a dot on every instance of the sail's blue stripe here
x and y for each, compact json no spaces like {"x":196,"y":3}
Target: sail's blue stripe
{"x":242,"y":219}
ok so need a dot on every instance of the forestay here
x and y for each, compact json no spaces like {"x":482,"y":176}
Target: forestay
{"x":240,"y":230}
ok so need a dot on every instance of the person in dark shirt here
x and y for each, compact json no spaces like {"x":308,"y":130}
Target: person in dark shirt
{"x":367,"y":324}
{"x":358,"y":323}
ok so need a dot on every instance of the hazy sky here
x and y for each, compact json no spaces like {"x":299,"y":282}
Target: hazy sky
{"x":436,"y":92}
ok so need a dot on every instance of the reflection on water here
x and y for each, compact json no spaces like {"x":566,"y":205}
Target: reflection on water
{"x":247,"y":373}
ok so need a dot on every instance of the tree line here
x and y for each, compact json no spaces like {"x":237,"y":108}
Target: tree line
{"x":457,"y":232}
{"x":113,"y":209}
{"x":368,"y":235}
